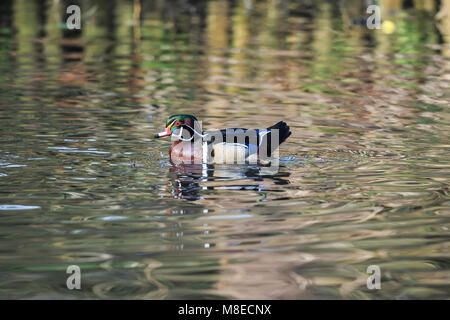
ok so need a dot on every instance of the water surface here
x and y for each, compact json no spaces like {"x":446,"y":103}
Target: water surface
{"x":363,"y":179}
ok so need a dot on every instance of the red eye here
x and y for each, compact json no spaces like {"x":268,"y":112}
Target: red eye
{"x":177,"y":123}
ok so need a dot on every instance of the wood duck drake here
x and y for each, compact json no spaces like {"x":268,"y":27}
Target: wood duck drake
{"x":232,"y":145}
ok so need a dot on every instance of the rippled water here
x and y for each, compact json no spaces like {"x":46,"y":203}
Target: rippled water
{"x":364,"y":178}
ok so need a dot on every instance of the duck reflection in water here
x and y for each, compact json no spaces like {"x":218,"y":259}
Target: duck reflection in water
{"x":190,"y":181}
{"x":184,"y":181}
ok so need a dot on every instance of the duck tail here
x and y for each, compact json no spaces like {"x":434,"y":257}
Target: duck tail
{"x":283,"y":131}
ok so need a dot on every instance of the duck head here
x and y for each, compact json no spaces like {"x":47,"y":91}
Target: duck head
{"x":178,"y":122}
